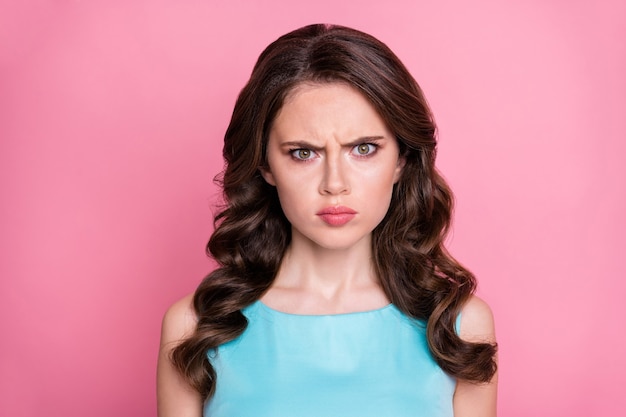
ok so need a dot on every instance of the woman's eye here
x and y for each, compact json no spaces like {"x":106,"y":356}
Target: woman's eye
{"x":302,"y":154}
{"x":364,"y":149}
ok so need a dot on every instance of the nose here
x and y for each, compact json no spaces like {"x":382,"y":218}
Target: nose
{"x":334,"y":180}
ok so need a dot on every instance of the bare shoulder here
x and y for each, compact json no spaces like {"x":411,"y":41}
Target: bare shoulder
{"x":473,"y":399}
{"x":477,"y":322}
{"x":175,"y":397}
{"x":179,"y":321}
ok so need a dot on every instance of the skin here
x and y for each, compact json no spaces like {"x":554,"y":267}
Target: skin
{"x":175,"y":397}
{"x":327,"y":147}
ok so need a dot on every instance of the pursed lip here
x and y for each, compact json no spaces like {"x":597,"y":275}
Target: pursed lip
{"x":336,"y":210}
{"x":336,"y":215}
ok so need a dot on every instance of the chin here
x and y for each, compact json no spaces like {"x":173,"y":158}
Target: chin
{"x":338,"y":244}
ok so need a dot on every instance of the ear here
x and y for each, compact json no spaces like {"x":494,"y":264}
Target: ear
{"x":399,"y":168}
{"x":267,"y":175}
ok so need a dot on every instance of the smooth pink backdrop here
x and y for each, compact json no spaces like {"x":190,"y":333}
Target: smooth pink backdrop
{"x":111,"y":119}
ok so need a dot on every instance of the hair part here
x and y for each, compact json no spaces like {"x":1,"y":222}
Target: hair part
{"x":251,"y":232}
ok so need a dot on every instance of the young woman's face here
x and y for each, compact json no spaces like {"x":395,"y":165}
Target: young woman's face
{"x":333,"y":162}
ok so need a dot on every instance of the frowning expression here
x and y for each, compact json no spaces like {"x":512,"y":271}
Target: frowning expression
{"x":334,"y":162}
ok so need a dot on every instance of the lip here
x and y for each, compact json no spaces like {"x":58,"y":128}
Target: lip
{"x":336,"y":215}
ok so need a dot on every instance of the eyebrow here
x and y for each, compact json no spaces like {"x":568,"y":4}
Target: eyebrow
{"x":308,"y":145}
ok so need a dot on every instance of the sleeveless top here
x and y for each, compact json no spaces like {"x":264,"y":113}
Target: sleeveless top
{"x":366,"y":364}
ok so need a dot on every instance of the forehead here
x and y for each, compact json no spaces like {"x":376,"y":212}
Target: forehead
{"x":327,"y":108}
{"x":308,"y":88}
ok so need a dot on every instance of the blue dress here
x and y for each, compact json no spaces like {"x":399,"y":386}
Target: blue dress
{"x":366,"y":364}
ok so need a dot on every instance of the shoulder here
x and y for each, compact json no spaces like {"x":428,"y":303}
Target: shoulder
{"x":179,"y":320}
{"x":472,"y":399}
{"x":477,"y":323}
{"x":175,"y":396}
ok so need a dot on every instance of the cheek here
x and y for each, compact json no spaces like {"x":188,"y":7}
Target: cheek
{"x":381,"y":180}
{"x":291,"y":198}
{"x":384,"y":187}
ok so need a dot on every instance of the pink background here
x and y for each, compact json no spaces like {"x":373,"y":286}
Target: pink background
{"x":111,"y":120}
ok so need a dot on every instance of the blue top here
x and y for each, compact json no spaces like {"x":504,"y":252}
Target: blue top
{"x":373,"y":363}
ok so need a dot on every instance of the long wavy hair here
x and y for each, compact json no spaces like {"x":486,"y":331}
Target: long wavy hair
{"x":251,"y":232}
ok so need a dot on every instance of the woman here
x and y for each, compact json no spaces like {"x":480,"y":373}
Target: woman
{"x":334,"y":295}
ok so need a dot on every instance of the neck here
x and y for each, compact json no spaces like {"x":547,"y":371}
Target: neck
{"x":327,"y":269}
{"x":314,"y":279}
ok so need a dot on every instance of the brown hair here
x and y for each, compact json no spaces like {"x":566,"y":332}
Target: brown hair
{"x":252,"y":233}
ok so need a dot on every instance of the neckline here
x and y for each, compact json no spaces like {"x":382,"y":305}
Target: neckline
{"x":260,"y":304}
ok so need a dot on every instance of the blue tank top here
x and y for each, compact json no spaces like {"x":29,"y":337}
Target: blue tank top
{"x":366,"y":364}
